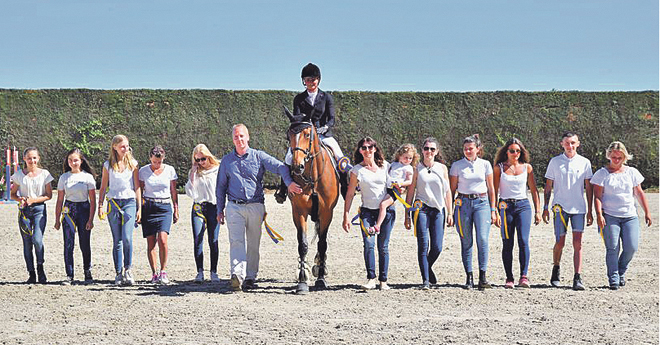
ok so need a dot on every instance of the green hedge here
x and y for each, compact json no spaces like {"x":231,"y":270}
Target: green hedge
{"x":56,"y":120}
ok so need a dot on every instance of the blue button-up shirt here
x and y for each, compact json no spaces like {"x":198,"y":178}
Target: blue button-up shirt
{"x":240,"y":177}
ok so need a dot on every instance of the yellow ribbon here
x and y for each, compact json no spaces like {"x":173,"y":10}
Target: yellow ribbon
{"x":24,"y":223}
{"x":109,"y":209}
{"x":272,"y":233}
{"x":197,"y":208}
{"x":360,"y":223}
{"x":398,"y":196}
{"x":503,"y":207}
{"x":417,"y":206}
{"x":459,"y":203}
{"x":67,"y":217}
{"x":557,"y":210}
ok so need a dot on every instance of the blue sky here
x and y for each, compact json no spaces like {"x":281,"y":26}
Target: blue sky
{"x":359,"y":45}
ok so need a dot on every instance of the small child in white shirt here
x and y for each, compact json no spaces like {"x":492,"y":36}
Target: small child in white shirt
{"x":399,"y":177}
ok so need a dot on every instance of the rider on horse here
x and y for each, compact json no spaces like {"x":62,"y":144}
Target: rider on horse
{"x":317,"y":107}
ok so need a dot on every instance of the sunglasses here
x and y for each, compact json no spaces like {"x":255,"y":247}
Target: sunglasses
{"x":426,"y":148}
{"x":367,"y":147}
{"x":203,"y":159}
{"x":512,"y":151}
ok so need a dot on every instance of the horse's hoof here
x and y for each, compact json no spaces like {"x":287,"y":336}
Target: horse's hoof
{"x":321,"y":284}
{"x":302,"y":289}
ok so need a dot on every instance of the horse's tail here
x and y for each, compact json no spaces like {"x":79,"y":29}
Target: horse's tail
{"x":314,"y":214}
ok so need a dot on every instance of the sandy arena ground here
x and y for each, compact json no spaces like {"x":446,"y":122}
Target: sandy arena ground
{"x":188,"y":313}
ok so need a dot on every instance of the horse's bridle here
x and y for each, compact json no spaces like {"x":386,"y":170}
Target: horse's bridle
{"x":309,"y":157}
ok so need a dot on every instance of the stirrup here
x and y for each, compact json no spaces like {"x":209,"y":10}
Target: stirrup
{"x":344,"y":164}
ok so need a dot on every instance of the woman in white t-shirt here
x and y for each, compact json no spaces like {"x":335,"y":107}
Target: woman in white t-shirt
{"x":120,"y":180}
{"x":615,"y":187}
{"x":200,"y":187}
{"x":31,"y":188}
{"x":370,"y":173}
{"x":513,"y":174}
{"x":75,"y":209}
{"x":158,"y":184}
{"x":431,"y":192}
{"x":472,"y":177}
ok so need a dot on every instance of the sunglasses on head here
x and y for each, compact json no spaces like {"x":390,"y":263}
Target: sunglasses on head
{"x":367,"y":147}
{"x":427,"y":148}
{"x":203,"y":159}
{"x":513,"y":151}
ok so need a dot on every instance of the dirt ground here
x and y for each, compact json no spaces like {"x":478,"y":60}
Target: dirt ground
{"x":189,"y":313}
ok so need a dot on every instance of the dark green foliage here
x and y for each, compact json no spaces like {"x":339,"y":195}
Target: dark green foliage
{"x":57,"y":120}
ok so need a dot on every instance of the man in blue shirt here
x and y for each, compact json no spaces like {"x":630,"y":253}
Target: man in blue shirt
{"x":239,"y":189}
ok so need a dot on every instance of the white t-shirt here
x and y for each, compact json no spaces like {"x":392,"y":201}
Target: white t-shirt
{"x":513,"y":186}
{"x":31,"y":187}
{"x":120,"y":184}
{"x":76,"y":186}
{"x":397,"y":173}
{"x":203,"y":187}
{"x":568,"y":176}
{"x":618,"y":199}
{"x":471,"y":175}
{"x":431,"y":185}
{"x":157,"y":186}
{"x":372,"y":185}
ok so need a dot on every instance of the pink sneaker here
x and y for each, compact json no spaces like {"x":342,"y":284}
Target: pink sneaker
{"x":155,"y":278}
{"x":524,"y":282}
{"x":508,"y":284}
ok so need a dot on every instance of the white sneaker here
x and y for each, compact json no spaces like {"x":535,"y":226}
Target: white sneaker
{"x":199,"y":278}
{"x":369,"y":285}
{"x":214,"y":277}
{"x":384,"y":286}
{"x":162,"y":278}
{"x":128,"y":277}
{"x":119,"y":279}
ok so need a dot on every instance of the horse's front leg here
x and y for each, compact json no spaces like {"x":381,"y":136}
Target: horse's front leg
{"x":303,"y":268}
{"x":320,"y":270}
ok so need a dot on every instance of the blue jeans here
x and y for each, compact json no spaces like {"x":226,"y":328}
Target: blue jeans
{"x":369,"y":218}
{"x":199,"y":226}
{"x":37,"y":216}
{"x":619,"y":233}
{"x":430,"y":231}
{"x":576,"y":220}
{"x":473,"y":213}
{"x":518,"y":223}
{"x":122,"y":232}
{"x":79,"y":215}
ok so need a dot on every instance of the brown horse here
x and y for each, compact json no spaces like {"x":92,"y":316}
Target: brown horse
{"x":313,"y":169}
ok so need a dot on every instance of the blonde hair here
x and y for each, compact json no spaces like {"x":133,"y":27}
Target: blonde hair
{"x":201,"y":148}
{"x":407,"y":148}
{"x":113,"y":156}
{"x":618,"y":146}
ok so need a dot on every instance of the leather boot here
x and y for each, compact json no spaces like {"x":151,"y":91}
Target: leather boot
{"x":483,"y":283}
{"x":41,"y":274}
{"x":32,"y":278}
{"x":280,"y":195}
{"x":469,"y":281}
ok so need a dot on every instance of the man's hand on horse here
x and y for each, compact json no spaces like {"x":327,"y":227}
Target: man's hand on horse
{"x":294,"y":188}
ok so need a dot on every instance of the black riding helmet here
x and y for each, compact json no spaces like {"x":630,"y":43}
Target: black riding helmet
{"x":310,"y":70}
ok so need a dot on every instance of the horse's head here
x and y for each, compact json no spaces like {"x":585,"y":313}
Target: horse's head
{"x":301,"y":138}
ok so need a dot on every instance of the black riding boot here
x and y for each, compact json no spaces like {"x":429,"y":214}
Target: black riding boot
{"x":343,"y":184}
{"x":469,"y":281}
{"x":41,"y":274}
{"x":483,"y":283}
{"x":280,"y":195}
